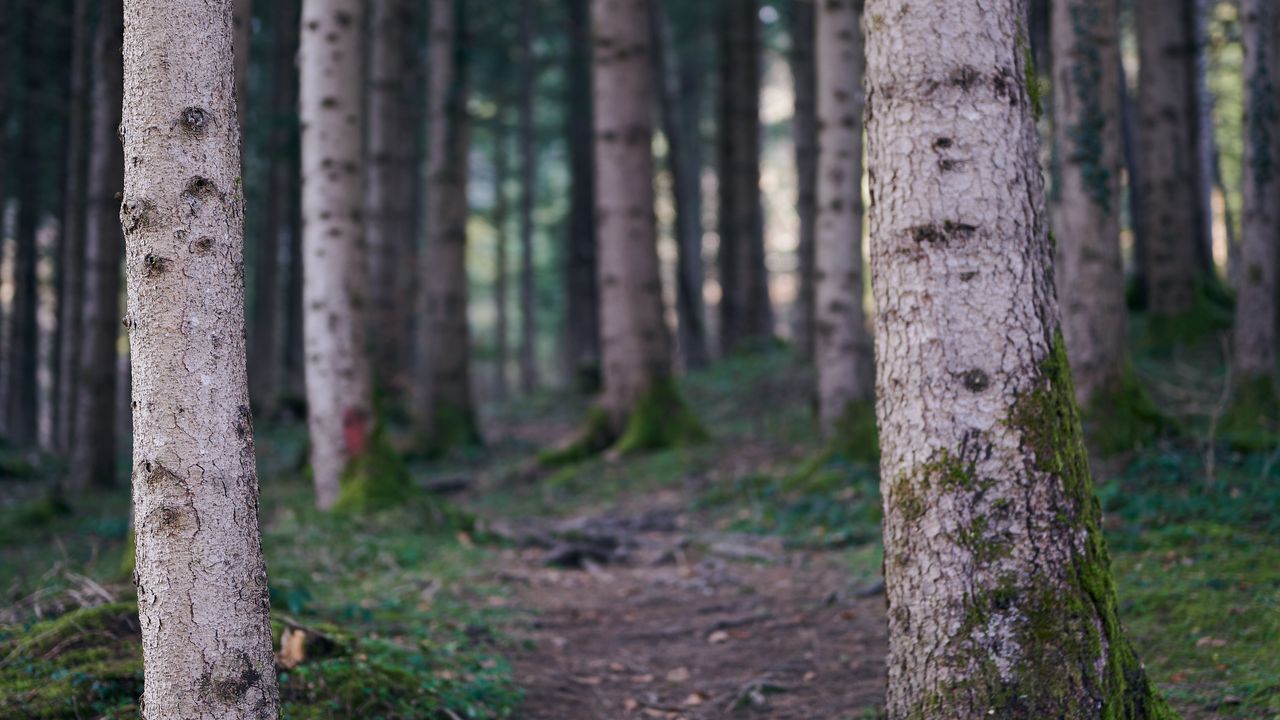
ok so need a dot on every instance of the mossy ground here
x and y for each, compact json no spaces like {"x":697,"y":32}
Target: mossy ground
{"x":1251,"y":422}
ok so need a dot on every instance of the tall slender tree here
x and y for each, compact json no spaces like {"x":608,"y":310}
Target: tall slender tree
{"x":581,"y":295}
{"x":746,"y":316}
{"x":804,"y":131}
{"x":1001,"y":600}
{"x":528,"y":70}
{"x":339,"y":395}
{"x":388,"y":187}
{"x":842,"y":342}
{"x":201,"y":580}
{"x":501,"y":221}
{"x":94,"y":454}
{"x":445,"y":410}
{"x":1168,"y":155}
{"x":71,"y":261}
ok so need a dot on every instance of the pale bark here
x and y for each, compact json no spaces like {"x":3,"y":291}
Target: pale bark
{"x":581,"y":295}
{"x":388,"y":188}
{"x":335,"y":282}
{"x":1254,"y":353}
{"x":842,"y":341}
{"x":1086,"y":213}
{"x":635,"y":342}
{"x":71,"y":267}
{"x":804,"y":131}
{"x":94,"y":454}
{"x":528,"y":196}
{"x":201,"y":580}
{"x":681,"y":86}
{"x":501,"y":217}
{"x":746,"y":316}
{"x":1000,"y":598}
{"x":446,"y":414}
{"x":1168,"y":154}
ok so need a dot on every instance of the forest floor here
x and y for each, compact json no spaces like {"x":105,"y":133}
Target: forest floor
{"x":739,"y":578}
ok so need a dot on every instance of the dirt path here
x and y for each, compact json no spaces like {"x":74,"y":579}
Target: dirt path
{"x":638,"y":614}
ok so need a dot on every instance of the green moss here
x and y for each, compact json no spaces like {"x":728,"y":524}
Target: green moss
{"x":856,"y":435}
{"x":1210,"y":314}
{"x":594,"y":438}
{"x":1123,"y":417}
{"x":1251,"y":419}
{"x":452,"y":428}
{"x":375,"y":479}
{"x":1032,"y":79}
{"x":906,"y":501}
{"x":129,"y":555}
{"x":660,"y":419}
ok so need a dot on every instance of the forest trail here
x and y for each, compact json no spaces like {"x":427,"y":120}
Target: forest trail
{"x":652,"y":619}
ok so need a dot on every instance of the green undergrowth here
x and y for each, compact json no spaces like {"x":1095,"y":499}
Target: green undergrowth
{"x":1252,"y":417}
{"x":1210,"y":314}
{"x":376,"y":478}
{"x":1125,"y":418}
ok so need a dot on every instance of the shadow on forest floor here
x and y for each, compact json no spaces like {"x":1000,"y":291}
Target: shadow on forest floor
{"x":708,"y":582}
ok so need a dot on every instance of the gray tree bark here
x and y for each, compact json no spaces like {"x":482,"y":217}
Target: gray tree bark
{"x":581,"y":295}
{"x":746,"y":316}
{"x":389,"y":186}
{"x":842,"y":341}
{"x":501,"y":219}
{"x":1000,"y":597}
{"x":335,"y":279}
{"x":94,"y":454}
{"x":201,"y":580}
{"x":528,"y":196}
{"x":1254,"y":356}
{"x":1086,"y":213}
{"x":804,"y":131}
{"x":1168,"y":152}
{"x":446,"y":412}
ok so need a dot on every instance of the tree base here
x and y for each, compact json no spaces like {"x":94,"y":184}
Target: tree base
{"x":1211,"y":314}
{"x":1253,"y":415}
{"x":856,"y":436}
{"x":452,"y":429}
{"x":1124,"y":417}
{"x":375,"y":479}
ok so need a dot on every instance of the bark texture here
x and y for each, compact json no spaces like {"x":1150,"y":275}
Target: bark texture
{"x":71,"y":268}
{"x":581,"y":295}
{"x":635,"y":340}
{"x":528,"y":196}
{"x":335,"y":283}
{"x":746,"y":316}
{"x":1168,"y":155}
{"x":842,"y":344}
{"x":1001,"y":602}
{"x":446,"y":413}
{"x":94,"y":454}
{"x":804,"y":131}
{"x":201,"y":580}
{"x":388,"y":190}
{"x":1254,"y":354}
{"x":1087,"y":205}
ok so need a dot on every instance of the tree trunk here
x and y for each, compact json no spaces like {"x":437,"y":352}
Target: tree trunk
{"x":335,"y":282}
{"x":746,"y":317}
{"x":581,"y":295}
{"x":634,"y":336}
{"x":842,"y":342}
{"x":804,"y":131}
{"x":201,"y":581}
{"x":501,"y":216}
{"x":388,"y":185}
{"x":1169,"y":172}
{"x":681,"y":88}
{"x":94,"y":454}
{"x":1086,"y":214}
{"x":1001,"y":602}
{"x":528,"y":197}
{"x":242,"y":34}
{"x":71,"y":299}
{"x":446,"y":413}
{"x":266,"y":348}
{"x":1254,"y":356}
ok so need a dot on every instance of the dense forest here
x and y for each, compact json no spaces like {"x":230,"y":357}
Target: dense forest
{"x":608,"y":359}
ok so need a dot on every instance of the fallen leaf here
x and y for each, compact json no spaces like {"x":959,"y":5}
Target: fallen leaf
{"x":1210,"y":641}
{"x":718,"y":637}
{"x":292,"y":648}
{"x":641,"y":679}
{"x":678,"y":675}
{"x":630,"y":704}
{"x":694,"y":699}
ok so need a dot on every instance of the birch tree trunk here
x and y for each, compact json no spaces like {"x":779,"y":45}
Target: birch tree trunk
{"x":804,"y":131}
{"x":581,"y":294}
{"x":94,"y":454}
{"x":446,"y":413}
{"x":1254,"y":356}
{"x":389,"y":185}
{"x":528,"y":196}
{"x":842,"y":343}
{"x":1086,"y":214}
{"x":1168,"y":151}
{"x":640,"y":402}
{"x":335,"y":282}
{"x":71,"y":266}
{"x":1001,"y":602}
{"x":201,"y":580}
{"x":746,"y":316}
